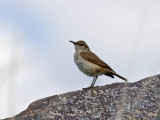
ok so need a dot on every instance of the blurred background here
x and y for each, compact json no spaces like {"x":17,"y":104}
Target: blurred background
{"x":36,"y":58}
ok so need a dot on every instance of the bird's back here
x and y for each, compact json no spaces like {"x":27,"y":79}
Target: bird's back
{"x":91,"y":57}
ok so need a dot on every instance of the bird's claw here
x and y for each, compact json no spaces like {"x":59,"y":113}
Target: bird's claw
{"x":90,"y":87}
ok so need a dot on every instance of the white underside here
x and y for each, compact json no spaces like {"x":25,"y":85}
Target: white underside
{"x":86,"y":67}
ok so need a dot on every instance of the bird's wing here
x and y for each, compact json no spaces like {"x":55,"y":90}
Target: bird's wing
{"x":91,"y":57}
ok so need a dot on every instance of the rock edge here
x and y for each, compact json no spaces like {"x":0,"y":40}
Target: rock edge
{"x":118,"y":101}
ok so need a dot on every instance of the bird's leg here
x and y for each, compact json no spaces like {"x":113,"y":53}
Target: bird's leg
{"x":92,"y":85}
{"x":94,"y":81}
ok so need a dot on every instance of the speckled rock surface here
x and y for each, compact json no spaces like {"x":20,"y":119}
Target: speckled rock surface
{"x":118,"y":101}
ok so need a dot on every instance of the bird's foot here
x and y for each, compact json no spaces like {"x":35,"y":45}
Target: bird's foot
{"x":90,"y":87}
{"x":87,"y":88}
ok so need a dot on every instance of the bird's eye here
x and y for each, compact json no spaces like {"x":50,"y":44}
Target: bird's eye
{"x":81,"y":44}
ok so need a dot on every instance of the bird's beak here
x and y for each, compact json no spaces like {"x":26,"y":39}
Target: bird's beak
{"x":72,"y":42}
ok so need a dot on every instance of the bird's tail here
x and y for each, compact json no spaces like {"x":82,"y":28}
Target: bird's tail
{"x":114,"y":73}
{"x":120,"y":76}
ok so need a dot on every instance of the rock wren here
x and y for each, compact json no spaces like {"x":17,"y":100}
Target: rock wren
{"x":90,"y":64}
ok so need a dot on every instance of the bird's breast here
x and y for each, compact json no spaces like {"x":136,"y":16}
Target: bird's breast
{"x":87,"y":67}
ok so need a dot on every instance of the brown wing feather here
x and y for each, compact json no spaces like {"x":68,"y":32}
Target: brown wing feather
{"x":91,"y":57}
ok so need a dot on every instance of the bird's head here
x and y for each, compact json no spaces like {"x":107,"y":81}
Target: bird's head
{"x":80,"y":45}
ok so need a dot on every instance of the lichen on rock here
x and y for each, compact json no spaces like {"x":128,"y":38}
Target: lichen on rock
{"x":118,"y":101}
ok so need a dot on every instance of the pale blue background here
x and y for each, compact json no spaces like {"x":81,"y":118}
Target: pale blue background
{"x":36,"y":58}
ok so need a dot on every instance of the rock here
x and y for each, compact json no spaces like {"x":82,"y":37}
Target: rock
{"x":118,"y":101}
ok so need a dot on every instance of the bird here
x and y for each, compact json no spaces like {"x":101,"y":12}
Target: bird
{"x":90,"y":64}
